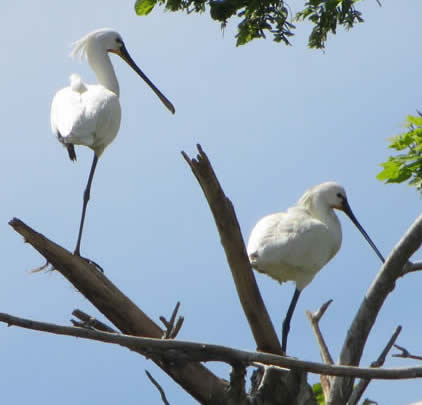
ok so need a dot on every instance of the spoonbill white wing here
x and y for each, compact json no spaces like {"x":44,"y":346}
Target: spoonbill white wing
{"x":79,"y":114}
{"x":291,"y":246}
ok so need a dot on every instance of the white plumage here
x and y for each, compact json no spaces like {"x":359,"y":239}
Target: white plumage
{"x":90,"y":114}
{"x":295,"y":245}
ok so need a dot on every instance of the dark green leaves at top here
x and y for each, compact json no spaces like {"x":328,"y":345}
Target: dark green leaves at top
{"x":144,"y":7}
{"x":327,"y":15}
{"x":406,"y":166}
{"x":259,"y":18}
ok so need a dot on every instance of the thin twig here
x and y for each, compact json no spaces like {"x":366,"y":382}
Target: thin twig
{"x":90,"y":322}
{"x":181,"y":351}
{"x":172,"y":329}
{"x":314,"y":319}
{"x":362,"y":385}
{"x":405,"y":354}
{"x":158,"y":386}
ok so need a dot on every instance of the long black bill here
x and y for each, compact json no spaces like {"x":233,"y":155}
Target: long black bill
{"x":124,"y":54}
{"x":348,"y":211}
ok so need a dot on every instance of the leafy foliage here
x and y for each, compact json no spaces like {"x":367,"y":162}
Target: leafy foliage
{"x":327,"y":15}
{"x":408,"y":164}
{"x":259,"y":17}
{"x":319,"y":395}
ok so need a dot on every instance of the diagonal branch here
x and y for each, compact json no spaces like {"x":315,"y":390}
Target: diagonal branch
{"x":360,"y":388}
{"x":361,"y":326}
{"x":314,"y":319}
{"x":179,"y":352}
{"x":90,"y":322}
{"x":158,"y":386}
{"x":196,"y":379}
{"x":234,"y":247}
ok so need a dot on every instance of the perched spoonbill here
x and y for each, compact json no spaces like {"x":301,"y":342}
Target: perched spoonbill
{"x":295,"y":245}
{"x":89,"y":114}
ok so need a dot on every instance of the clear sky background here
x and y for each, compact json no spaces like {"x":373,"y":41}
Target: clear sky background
{"x":274,"y":121}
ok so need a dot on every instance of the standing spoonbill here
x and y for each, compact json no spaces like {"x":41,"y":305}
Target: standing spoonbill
{"x":89,"y":114}
{"x":295,"y":245}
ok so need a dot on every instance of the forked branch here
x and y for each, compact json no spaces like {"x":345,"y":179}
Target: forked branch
{"x":234,"y":247}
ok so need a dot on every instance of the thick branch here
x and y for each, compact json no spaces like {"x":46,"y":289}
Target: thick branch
{"x":179,"y":352}
{"x":122,"y":312}
{"x":234,"y":247}
{"x":383,"y":284}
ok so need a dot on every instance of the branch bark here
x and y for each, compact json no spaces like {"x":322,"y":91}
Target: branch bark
{"x":234,"y":247}
{"x":196,"y":379}
{"x":361,"y":326}
{"x":360,"y":388}
{"x":180,"y":352}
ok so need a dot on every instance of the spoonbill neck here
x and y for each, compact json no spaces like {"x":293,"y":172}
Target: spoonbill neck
{"x":320,"y":210}
{"x":100,"y":62}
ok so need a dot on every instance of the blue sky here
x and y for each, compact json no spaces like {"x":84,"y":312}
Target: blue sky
{"x":274,"y":121}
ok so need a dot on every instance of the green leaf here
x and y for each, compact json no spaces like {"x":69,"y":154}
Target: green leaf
{"x":319,"y":395}
{"x":414,"y":120}
{"x":394,"y":171}
{"x":144,"y":7}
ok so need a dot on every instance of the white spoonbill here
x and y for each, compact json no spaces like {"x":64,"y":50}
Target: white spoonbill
{"x":295,"y":245}
{"x":89,"y":114}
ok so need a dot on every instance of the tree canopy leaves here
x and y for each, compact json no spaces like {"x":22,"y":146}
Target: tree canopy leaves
{"x":406,"y":166}
{"x":261,"y":17}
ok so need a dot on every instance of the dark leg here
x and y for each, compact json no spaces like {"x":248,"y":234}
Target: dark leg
{"x":286,"y":322}
{"x":85,"y":203}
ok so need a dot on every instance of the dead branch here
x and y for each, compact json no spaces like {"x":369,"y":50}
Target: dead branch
{"x":196,"y":379}
{"x":314,"y":319}
{"x":362,"y":385}
{"x":237,"y":391}
{"x":172,"y":329}
{"x":90,"y":322}
{"x":361,"y":326}
{"x":158,"y":386}
{"x":181,"y":352}
{"x":234,"y":247}
{"x":405,"y":354}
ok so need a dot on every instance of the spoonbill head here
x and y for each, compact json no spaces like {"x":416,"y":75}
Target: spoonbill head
{"x":295,"y":245}
{"x":89,"y":114}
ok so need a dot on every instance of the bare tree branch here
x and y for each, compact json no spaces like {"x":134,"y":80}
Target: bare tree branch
{"x":361,"y":326}
{"x":405,"y":354}
{"x":89,"y":321}
{"x":234,"y":247}
{"x":237,"y":392}
{"x":360,"y":388}
{"x":158,"y":386}
{"x":172,"y":329}
{"x":178,"y":352}
{"x":414,"y":267}
{"x":314,"y":319}
{"x":196,"y":379}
